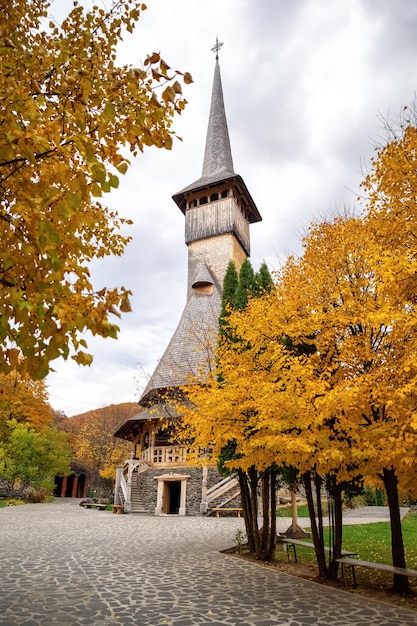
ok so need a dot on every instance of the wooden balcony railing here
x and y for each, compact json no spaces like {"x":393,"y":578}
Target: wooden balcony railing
{"x":164,"y":455}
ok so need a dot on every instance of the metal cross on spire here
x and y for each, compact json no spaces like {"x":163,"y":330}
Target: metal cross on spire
{"x":217,"y":47}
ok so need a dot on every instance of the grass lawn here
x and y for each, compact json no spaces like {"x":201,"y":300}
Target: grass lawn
{"x":285,"y":511}
{"x":3,"y":502}
{"x":371,"y":542}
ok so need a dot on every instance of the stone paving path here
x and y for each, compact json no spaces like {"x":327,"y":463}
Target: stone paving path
{"x":62,"y":565}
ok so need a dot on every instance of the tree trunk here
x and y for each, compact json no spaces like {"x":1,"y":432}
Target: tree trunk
{"x":273,"y":531}
{"x":269,"y":505}
{"x":253,"y":484}
{"x":318,"y":544}
{"x":317,"y":483}
{"x":265,"y":513}
{"x":397,"y":545}
{"x":247,"y":511}
{"x":336,"y":521}
{"x":294,"y":510}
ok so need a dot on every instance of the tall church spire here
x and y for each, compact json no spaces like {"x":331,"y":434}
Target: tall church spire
{"x":218,"y":162}
{"x":218,"y":210}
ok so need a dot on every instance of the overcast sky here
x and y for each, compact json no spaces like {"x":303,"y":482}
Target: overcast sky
{"x":306,"y":84}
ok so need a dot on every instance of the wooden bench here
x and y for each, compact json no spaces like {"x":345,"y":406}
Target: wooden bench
{"x":118,"y":509}
{"x":348,"y":568}
{"x":232,"y":508}
{"x":95,"y":505}
{"x":291,"y":543}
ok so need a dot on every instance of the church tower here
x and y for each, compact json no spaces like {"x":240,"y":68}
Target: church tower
{"x":218,"y":211}
{"x":218,"y":208}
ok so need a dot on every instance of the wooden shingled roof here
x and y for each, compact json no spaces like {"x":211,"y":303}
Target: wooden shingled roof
{"x":190,"y":351}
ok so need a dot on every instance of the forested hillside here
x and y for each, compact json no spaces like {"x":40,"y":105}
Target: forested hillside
{"x":91,"y":436}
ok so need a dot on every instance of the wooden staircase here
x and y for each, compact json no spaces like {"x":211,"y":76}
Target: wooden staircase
{"x":135,"y":499}
{"x":223,"y":493}
{"x":137,"y":505}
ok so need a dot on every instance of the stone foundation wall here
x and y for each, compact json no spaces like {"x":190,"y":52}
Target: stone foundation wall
{"x":194,"y":490}
{"x":148,"y":487}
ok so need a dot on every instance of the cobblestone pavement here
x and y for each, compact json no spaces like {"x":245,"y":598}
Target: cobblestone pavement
{"x":62,"y":565}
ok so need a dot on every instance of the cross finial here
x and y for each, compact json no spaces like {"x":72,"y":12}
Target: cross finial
{"x":217,"y":47}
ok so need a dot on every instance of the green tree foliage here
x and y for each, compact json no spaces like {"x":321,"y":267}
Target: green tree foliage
{"x":263,"y":280}
{"x":31,"y":448}
{"x":246,"y":286}
{"x":227,"y":453}
{"x":230,"y":283}
{"x":34,"y":457}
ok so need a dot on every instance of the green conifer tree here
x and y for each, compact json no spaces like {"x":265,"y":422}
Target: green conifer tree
{"x":230,"y":283}
{"x":264,"y":281}
{"x":246,"y":287}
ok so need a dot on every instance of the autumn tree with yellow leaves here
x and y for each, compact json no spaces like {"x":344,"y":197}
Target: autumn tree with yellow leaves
{"x":25,"y":401}
{"x":325,"y":380}
{"x":361,"y":328}
{"x":70,"y":115}
{"x":92,"y":440}
{"x":238,"y":288}
{"x":32,"y":450}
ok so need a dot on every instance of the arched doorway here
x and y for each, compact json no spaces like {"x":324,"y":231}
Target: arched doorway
{"x":69,"y":486}
{"x":76,"y":484}
{"x":58,"y":486}
{"x":81,"y":486}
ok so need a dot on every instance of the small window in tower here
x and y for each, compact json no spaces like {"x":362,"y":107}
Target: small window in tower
{"x":193,"y":203}
{"x":214,"y":197}
{"x":225,"y":193}
{"x":203,"y":200}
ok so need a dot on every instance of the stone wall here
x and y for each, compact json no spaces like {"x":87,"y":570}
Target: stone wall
{"x":194,"y":485}
{"x":148,"y":487}
{"x":7,"y":490}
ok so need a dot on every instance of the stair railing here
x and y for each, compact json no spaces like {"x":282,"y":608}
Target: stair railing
{"x":220,"y":488}
{"x":120,"y":486}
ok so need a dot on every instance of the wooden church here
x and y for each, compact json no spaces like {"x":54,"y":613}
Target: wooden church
{"x":218,"y":210}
